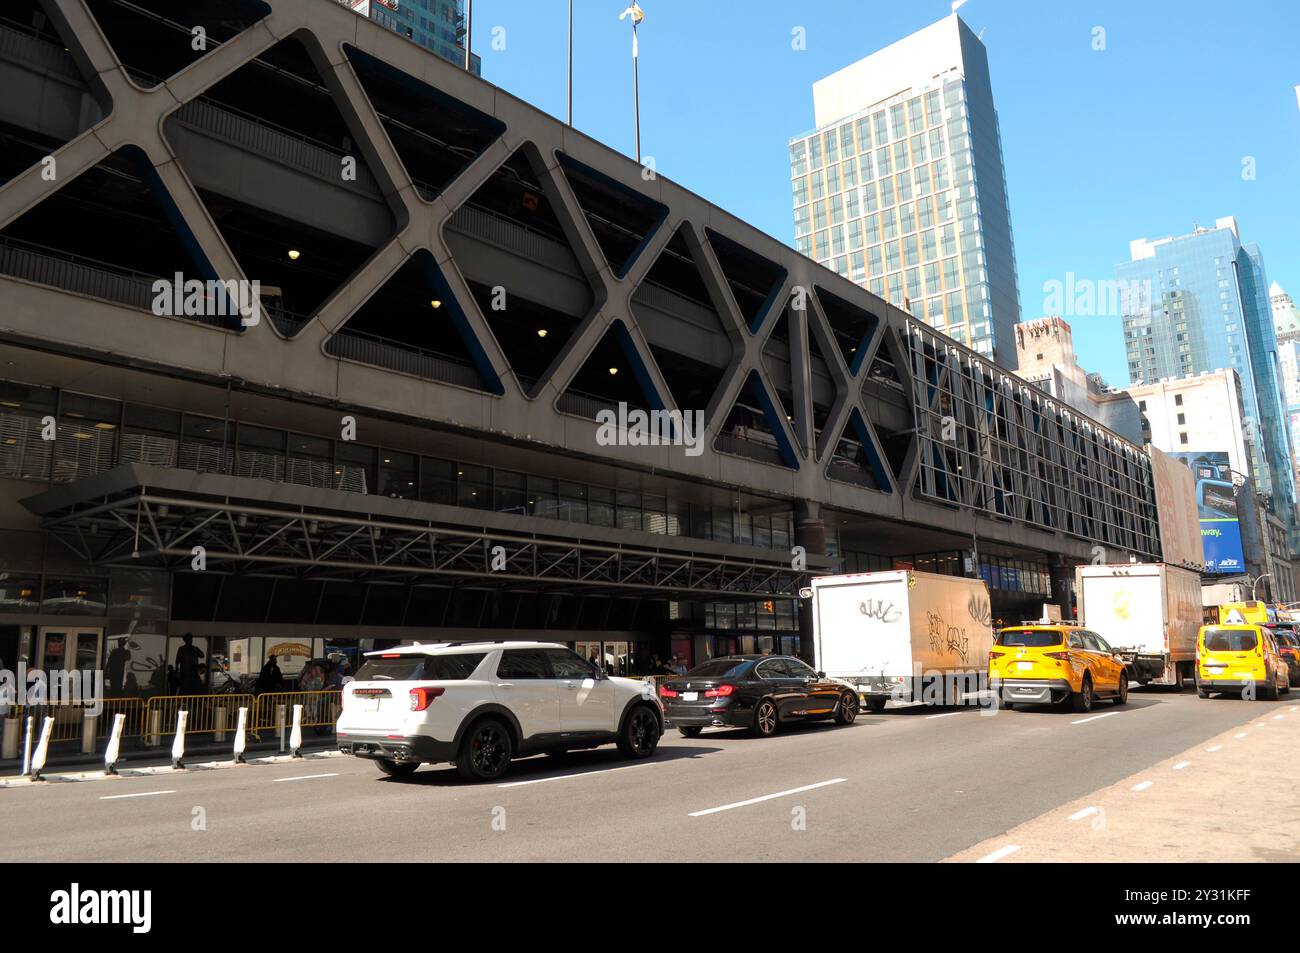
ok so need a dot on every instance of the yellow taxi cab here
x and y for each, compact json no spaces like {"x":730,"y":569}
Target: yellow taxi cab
{"x":1240,"y":659}
{"x":1044,"y":663}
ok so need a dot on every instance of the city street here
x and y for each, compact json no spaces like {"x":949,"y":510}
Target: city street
{"x":913,"y":784}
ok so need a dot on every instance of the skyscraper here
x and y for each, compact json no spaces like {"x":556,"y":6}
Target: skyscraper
{"x":437,"y":25}
{"x":901,"y":187}
{"x":1199,"y":302}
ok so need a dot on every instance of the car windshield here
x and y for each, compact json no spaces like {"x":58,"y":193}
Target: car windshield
{"x":717,"y":668}
{"x":409,"y":667}
{"x":1030,"y":638}
{"x":1230,"y":640}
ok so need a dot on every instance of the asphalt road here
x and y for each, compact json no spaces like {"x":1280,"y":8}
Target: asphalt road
{"x":911,"y":784}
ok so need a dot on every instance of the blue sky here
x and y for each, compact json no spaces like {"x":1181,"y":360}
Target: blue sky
{"x":1142,"y":139}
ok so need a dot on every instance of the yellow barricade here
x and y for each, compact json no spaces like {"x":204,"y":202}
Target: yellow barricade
{"x":69,"y":720}
{"x":217,"y":715}
{"x":319,"y":709}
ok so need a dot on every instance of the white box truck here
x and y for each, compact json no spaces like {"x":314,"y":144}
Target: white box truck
{"x":1148,"y":612}
{"x":902,"y":634}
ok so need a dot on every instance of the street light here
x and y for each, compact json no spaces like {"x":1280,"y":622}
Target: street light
{"x":1262,"y":575}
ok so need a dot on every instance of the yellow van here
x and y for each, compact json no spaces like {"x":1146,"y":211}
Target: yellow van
{"x":1230,"y":658}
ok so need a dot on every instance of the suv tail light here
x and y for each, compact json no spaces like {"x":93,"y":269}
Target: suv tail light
{"x":666,"y":692}
{"x":1060,"y":655}
{"x":722,"y":691}
{"x":993,"y":655}
{"x":422,"y":697}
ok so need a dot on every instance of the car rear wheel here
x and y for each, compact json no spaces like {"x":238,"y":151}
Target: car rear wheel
{"x":690,"y":731}
{"x":1081,"y":700}
{"x":485,"y":751}
{"x":1121,"y":697}
{"x":847,"y":712}
{"x":765,"y":719}
{"x":1009,"y":706}
{"x":640,"y":734}
{"x":1269,"y":694}
{"x":396,"y":769}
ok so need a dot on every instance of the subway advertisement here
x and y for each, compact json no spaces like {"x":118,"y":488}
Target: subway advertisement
{"x":1216,"y":501}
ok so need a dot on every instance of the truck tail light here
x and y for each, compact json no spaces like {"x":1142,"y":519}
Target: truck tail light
{"x":722,"y":691}
{"x":421,"y":698}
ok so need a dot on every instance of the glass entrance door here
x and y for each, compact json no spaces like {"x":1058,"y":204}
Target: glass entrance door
{"x":68,"y":649}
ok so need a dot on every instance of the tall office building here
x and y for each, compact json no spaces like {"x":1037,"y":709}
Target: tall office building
{"x":901,"y":188}
{"x":437,"y":25}
{"x":1286,"y":319}
{"x":1199,"y":302}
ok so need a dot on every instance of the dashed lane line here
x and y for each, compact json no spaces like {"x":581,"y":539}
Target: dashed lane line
{"x":766,"y":797}
{"x":1083,"y":721}
{"x":305,"y":777}
{"x":1086,"y":812}
{"x":120,"y":797}
{"x":1141,"y":786}
{"x":998,"y":854}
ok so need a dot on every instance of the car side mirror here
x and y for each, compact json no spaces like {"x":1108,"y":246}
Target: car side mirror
{"x":821,"y":674}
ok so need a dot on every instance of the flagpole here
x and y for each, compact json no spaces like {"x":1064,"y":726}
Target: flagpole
{"x":570,"y":62}
{"x":636,"y":93}
{"x":469,"y":26}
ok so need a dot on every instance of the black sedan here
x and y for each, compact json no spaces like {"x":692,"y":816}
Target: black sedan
{"x":759,"y":692}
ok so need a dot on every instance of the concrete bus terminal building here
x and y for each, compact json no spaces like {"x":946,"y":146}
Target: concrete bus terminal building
{"x":408,"y":437}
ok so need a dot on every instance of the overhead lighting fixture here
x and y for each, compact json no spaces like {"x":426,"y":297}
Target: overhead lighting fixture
{"x":435,"y":304}
{"x":541,"y":332}
{"x":294,"y":254}
{"x":613,"y":370}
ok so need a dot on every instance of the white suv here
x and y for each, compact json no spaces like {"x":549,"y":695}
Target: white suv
{"x":479,"y":704}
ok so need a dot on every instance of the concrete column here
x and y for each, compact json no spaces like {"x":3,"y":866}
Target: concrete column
{"x":1062,"y":587}
{"x":810,"y":533}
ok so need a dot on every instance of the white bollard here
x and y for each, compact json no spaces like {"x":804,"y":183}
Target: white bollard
{"x":239,"y":736}
{"x":178,"y":746}
{"x":88,"y":725}
{"x":295,"y":736}
{"x":155,"y":727}
{"x":219,"y":725}
{"x":42,"y":749}
{"x":27,"y":748}
{"x":114,"y":744}
{"x":9,"y":744}
{"x":279,"y":723}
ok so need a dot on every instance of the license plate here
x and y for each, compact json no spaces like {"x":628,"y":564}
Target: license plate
{"x":1024,"y":666}
{"x":370,"y":705}
{"x":690,"y":696}
{"x":1216,"y":669}
{"x":1245,"y":675}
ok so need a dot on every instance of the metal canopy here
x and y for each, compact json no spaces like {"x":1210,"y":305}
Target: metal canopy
{"x":153,"y":517}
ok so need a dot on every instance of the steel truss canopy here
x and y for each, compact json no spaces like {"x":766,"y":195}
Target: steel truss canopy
{"x":139,"y":516}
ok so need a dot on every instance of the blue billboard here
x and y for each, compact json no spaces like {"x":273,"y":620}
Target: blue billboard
{"x":1216,"y":502}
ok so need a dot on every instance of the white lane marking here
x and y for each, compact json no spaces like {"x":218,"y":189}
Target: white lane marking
{"x":1094,"y":718}
{"x":1278,"y":717}
{"x":306,"y":777}
{"x":1141,"y":786}
{"x":1239,"y":735}
{"x":1086,"y":812}
{"x":998,"y":854}
{"x":1215,"y":748}
{"x":947,"y":714}
{"x":1180,"y":765}
{"x":118,"y":797}
{"x":766,"y":797}
{"x":580,"y":774}
{"x":1294,"y":708}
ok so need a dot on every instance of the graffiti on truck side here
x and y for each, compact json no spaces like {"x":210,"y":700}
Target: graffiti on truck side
{"x":880,"y":610}
{"x":947,"y":638}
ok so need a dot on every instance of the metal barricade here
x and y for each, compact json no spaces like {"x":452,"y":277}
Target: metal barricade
{"x":216,"y":715}
{"x":320,"y":709}
{"x":69,"y":720}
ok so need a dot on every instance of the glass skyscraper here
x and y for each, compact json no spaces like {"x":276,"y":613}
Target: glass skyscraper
{"x":437,"y":25}
{"x":1199,"y":302}
{"x":901,"y":188}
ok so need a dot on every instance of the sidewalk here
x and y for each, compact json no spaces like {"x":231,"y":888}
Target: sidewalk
{"x":1232,"y":798}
